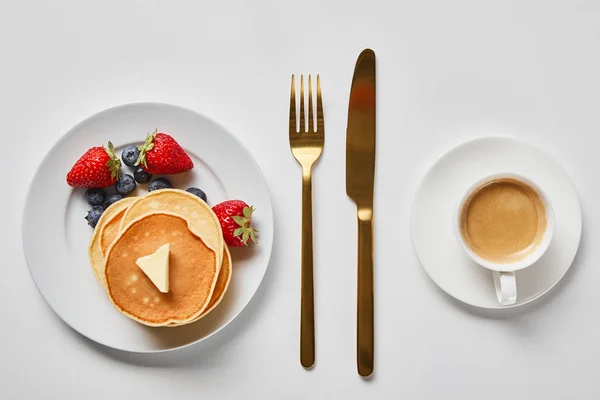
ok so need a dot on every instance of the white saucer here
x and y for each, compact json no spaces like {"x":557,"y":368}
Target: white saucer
{"x":435,"y":241}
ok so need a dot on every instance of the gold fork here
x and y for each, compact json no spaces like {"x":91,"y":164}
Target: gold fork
{"x":307,"y":144}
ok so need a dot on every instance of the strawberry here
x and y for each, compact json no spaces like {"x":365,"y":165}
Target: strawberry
{"x":96,"y":168}
{"x":161,"y":154}
{"x":235,"y":217}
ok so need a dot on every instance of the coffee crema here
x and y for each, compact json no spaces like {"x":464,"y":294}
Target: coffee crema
{"x":503,"y":221}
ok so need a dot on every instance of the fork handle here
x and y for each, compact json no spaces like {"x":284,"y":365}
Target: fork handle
{"x":365,"y":321}
{"x":307,"y":307}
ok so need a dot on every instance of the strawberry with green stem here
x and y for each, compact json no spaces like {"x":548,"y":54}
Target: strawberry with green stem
{"x":161,"y":154}
{"x":235,"y":217}
{"x":98,"y":167}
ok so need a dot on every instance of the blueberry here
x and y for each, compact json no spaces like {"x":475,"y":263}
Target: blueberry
{"x":93,"y":215}
{"x":141,"y":176}
{"x":159,"y":183}
{"x":130,"y":155}
{"x":197,"y":192}
{"x":95,"y":196}
{"x":113,"y":198}
{"x":125,"y":185}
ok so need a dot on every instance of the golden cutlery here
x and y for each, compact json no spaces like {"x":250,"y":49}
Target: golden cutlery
{"x":360,"y":177}
{"x":306,"y":144}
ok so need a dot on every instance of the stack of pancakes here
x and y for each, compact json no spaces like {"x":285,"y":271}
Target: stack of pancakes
{"x":199,"y":261}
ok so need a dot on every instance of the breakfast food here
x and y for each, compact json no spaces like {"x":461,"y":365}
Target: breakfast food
{"x":113,"y":198}
{"x":100,"y":168}
{"x":95,"y":196}
{"x":96,"y":168}
{"x":201,"y":219}
{"x":161,"y":154}
{"x":159,"y":183}
{"x":193,"y":271}
{"x":104,"y":234}
{"x":156,"y":267}
{"x":94,"y":215}
{"x":125,"y":185}
{"x":198,"y":192}
{"x":141,"y":175}
{"x":235,"y":217}
{"x":221,"y":286}
{"x":130,"y":155}
{"x":161,"y":257}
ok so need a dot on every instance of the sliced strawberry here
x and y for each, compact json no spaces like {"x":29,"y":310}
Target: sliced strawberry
{"x":161,"y":154}
{"x":96,"y":168}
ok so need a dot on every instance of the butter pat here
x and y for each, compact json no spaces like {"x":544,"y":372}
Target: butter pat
{"x":156,"y":267}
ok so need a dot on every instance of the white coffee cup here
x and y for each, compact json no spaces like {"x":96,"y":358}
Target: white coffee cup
{"x":504,"y":273}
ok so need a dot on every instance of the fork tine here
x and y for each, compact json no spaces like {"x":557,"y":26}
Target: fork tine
{"x":320,"y":122}
{"x":311,"y":120}
{"x":302,"y":124}
{"x":293,"y":128}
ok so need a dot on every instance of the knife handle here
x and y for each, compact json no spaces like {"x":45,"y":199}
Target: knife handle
{"x":365,"y":320}
{"x":307,"y":307}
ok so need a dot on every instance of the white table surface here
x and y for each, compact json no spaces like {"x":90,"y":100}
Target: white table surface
{"x":447,"y":72}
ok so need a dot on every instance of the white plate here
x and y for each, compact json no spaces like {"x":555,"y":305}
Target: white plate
{"x":55,"y":234}
{"x":432,"y":231}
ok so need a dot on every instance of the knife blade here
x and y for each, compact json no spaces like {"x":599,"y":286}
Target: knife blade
{"x":360,"y":179}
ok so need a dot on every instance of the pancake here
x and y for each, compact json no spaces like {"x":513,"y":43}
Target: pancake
{"x":202,"y":221}
{"x":220,"y":287}
{"x":193,"y":270}
{"x":105,"y":232}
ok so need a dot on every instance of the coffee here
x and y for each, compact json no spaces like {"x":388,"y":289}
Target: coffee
{"x":503,"y":220}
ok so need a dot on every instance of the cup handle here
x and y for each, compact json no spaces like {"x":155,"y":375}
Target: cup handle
{"x":506,"y":287}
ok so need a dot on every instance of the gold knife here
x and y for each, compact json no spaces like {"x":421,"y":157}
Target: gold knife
{"x":360,"y":177}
